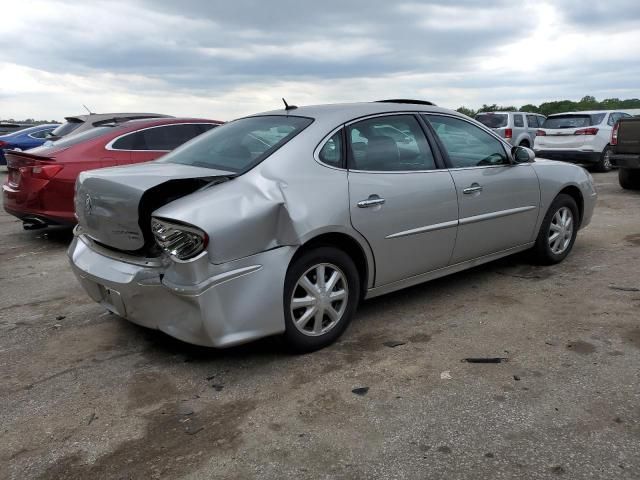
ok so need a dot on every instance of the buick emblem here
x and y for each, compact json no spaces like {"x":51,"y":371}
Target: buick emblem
{"x":88,"y":205}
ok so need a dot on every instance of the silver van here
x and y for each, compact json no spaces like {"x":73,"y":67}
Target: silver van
{"x":517,"y":128}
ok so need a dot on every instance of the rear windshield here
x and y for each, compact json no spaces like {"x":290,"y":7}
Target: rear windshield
{"x":239,"y":145}
{"x":573,"y":121}
{"x":493,"y":120}
{"x":66,"y":128}
{"x":74,"y":139}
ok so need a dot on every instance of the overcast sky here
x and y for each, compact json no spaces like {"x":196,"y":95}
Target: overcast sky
{"x":223,"y":59}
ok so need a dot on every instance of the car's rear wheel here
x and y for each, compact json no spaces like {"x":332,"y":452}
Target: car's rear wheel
{"x":558,"y":231}
{"x":321,"y":294}
{"x":629,"y":178}
{"x":604,"y":165}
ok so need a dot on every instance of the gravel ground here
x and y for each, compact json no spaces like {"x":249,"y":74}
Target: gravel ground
{"x":87,"y":395}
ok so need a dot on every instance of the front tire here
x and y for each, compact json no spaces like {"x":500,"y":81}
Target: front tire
{"x":321,"y":294}
{"x":629,"y":178}
{"x":558,"y":231}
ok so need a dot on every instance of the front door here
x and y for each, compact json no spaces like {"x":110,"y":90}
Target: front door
{"x":499,"y":201}
{"x":399,"y":201}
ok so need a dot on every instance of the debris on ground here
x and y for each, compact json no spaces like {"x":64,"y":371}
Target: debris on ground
{"x":184,"y":410}
{"x":61,"y":317}
{"x":217,"y":387}
{"x":485,"y":359}
{"x":92,"y":418}
{"x":516,"y":378}
{"x":393,"y":343}
{"x":360,"y":391}
{"x":624,"y":289}
{"x":446,"y":375}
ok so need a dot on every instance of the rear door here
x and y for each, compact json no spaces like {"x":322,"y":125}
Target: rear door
{"x":400,"y":201}
{"x":498,"y":201}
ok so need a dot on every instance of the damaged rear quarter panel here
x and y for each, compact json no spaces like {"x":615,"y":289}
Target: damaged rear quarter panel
{"x":284,"y":201}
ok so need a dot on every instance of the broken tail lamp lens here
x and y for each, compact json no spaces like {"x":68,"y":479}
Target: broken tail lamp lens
{"x":182,"y":242}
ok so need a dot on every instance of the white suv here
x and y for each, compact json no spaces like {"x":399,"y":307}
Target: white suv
{"x":578,"y":137}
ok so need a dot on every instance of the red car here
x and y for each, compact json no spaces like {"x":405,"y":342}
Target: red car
{"x":40,"y":186}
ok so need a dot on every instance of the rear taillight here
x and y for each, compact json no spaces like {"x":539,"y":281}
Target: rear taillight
{"x":33,"y":168}
{"x":3,"y":144}
{"x":508,"y":133}
{"x":180,"y":241}
{"x":540,"y":133}
{"x":614,"y":134}
{"x":586,"y":131}
{"x":45,"y":172}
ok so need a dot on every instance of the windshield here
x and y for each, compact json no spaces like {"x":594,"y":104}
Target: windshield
{"x":239,"y":145}
{"x":573,"y":121}
{"x":66,"y":128}
{"x":492,"y":120}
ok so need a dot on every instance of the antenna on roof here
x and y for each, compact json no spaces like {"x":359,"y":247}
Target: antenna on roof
{"x":87,"y":109}
{"x":287,"y":106}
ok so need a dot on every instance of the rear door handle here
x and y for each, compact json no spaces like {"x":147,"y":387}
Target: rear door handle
{"x":473,"y":188}
{"x":372,"y":201}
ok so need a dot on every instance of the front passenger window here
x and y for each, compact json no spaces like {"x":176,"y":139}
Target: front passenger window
{"x":466,"y":144}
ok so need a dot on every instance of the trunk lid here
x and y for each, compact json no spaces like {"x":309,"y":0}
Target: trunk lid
{"x":114,"y":205}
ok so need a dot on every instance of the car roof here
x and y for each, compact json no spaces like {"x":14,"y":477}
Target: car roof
{"x":102,"y":116}
{"x":510,"y":111}
{"x":152,"y":122}
{"x":584,"y":112}
{"x":343,"y":112}
{"x":31,"y":129}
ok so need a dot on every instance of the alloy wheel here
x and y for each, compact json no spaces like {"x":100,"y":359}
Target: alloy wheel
{"x":319,"y":299}
{"x":561,"y":230}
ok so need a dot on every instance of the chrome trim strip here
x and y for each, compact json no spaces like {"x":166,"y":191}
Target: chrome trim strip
{"x":498,"y":214}
{"x":109,"y":146}
{"x":428,"y":228}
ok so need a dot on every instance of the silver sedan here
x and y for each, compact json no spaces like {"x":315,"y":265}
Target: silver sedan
{"x":281,"y":223}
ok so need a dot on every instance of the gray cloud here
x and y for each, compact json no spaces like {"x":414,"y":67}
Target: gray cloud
{"x":200,"y":47}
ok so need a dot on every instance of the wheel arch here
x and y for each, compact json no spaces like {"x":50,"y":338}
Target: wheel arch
{"x":357,"y":249}
{"x":574,"y":192}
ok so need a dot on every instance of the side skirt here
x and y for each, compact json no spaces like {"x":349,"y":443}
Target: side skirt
{"x":442,"y":272}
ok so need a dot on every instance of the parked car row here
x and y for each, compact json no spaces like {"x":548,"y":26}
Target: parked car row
{"x":40,"y":186}
{"x":576,"y":137}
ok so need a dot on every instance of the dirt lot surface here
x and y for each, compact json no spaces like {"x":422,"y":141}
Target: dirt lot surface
{"x":85,"y":394}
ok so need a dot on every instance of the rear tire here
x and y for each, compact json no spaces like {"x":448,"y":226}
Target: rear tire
{"x":317,"y":310}
{"x":557,"y":233}
{"x":604,"y":165}
{"x":629,"y":178}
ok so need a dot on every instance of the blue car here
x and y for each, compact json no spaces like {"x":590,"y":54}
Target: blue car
{"x":25,"y":139}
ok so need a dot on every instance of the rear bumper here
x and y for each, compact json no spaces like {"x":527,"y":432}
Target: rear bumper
{"x":28,"y":205}
{"x":570,"y":156}
{"x":196,"y":302}
{"x":625,"y":161}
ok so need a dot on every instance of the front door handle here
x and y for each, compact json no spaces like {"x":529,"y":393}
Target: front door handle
{"x":473,"y":188}
{"x":372,"y":201}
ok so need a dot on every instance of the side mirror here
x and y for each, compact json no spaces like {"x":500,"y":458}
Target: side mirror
{"x":522,"y":155}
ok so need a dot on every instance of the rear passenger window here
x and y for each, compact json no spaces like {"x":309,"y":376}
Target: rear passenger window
{"x":532,"y":120}
{"x":518,"y":121}
{"x":166,"y":137}
{"x":170,"y":136}
{"x":389,"y":143}
{"x":332,"y":151}
{"x":466,"y":144}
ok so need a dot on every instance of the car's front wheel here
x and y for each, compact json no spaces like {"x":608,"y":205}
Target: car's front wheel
{"x":321,"y":294}
{"x":558,"y":231}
